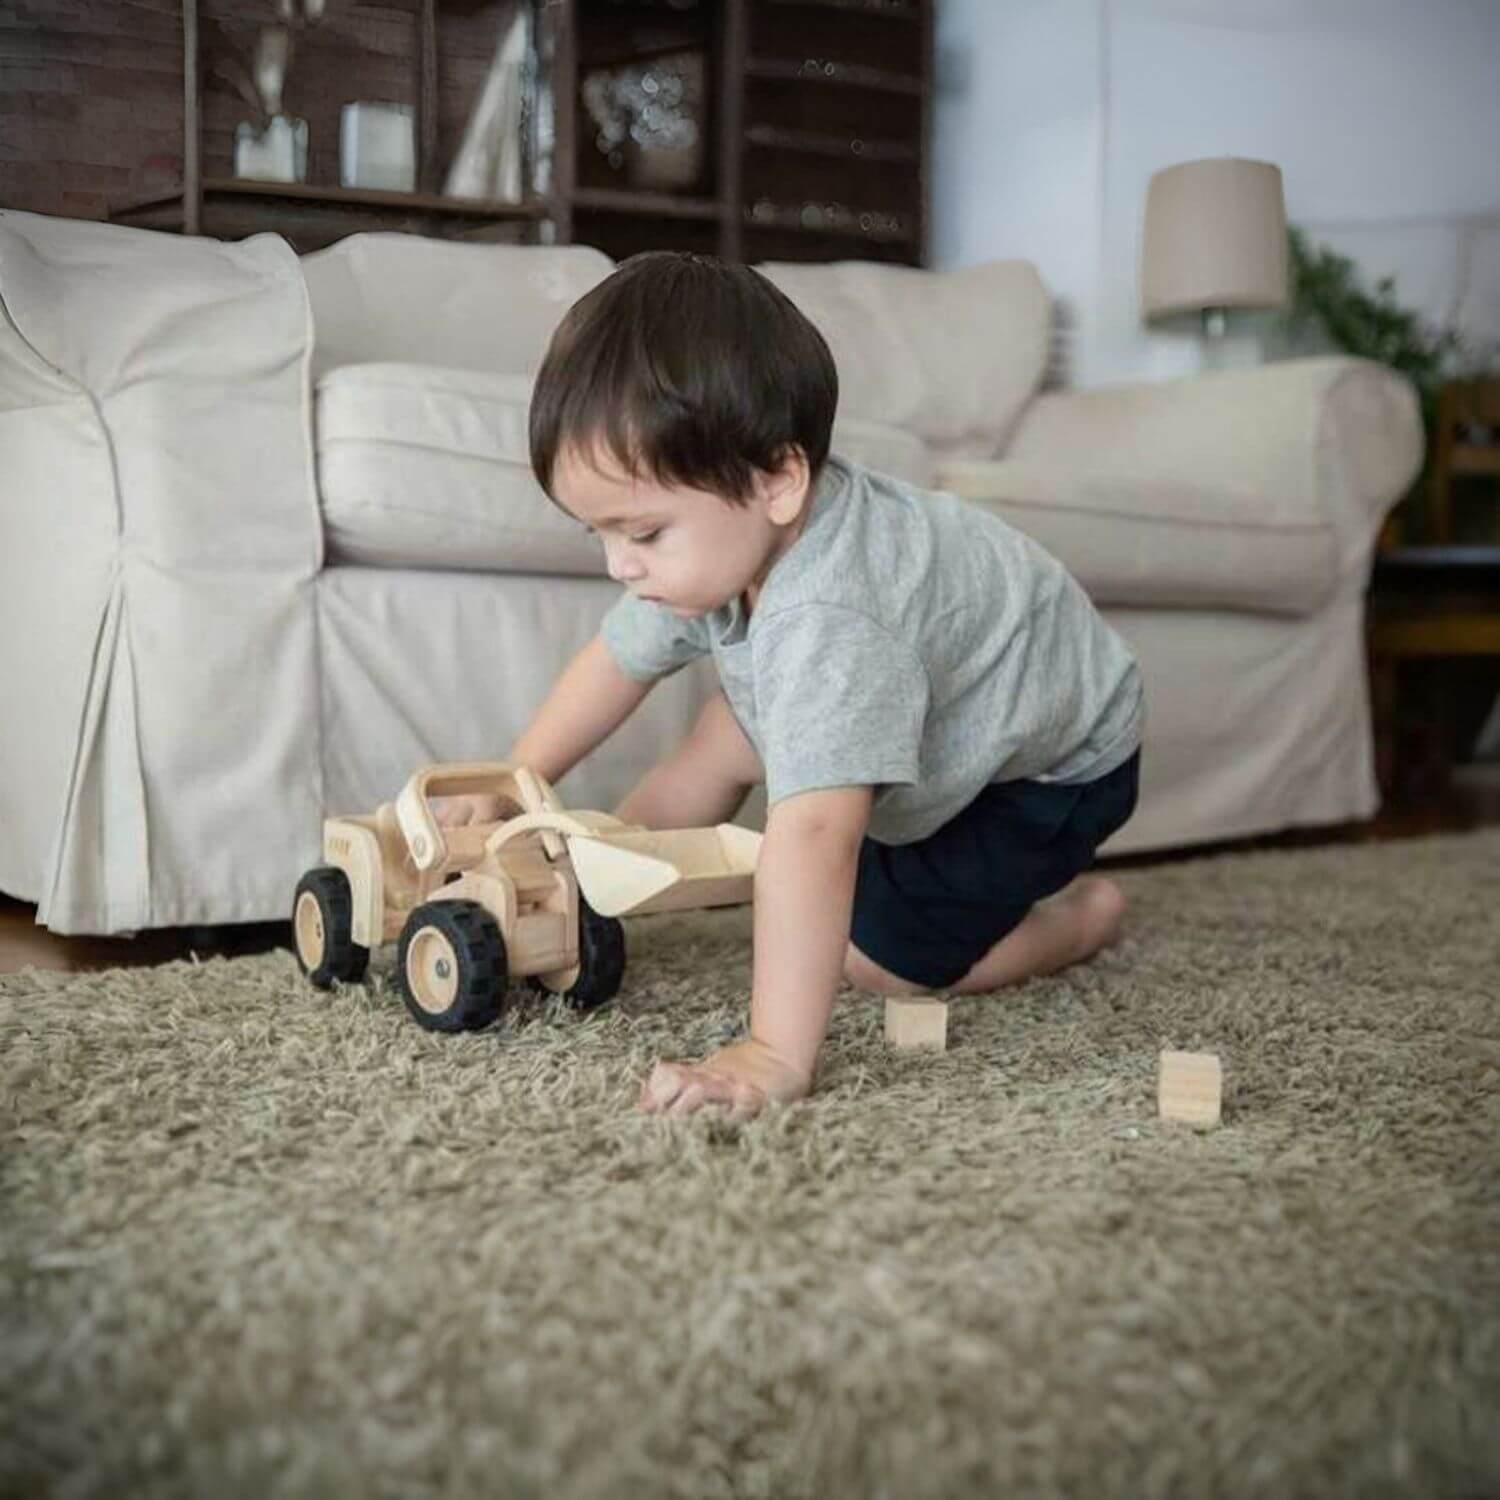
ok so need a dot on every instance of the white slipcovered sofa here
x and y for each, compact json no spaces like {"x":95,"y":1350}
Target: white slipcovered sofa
{"x":269,"y":540}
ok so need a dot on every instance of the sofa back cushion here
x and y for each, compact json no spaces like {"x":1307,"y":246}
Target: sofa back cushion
{"x":428,"y":467}
{"x":952,"y":356}
{"x":470,"y":307}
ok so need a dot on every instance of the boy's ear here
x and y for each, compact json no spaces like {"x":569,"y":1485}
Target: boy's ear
{"x":785,"y":489}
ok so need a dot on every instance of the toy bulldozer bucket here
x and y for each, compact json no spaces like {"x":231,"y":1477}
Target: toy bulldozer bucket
{"x":633,"y":873}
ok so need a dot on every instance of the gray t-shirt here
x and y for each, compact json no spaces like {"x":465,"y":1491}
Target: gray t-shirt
{"x":910,"y":641}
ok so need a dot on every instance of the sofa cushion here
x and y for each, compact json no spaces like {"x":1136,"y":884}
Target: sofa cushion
{"x":953,"y":356}
{"x":1157,"y":544}
{"x":423,"y":466}
{"x":477,"y":307}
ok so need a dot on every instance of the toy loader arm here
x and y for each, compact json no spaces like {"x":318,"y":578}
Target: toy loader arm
{"x":634,"y":872}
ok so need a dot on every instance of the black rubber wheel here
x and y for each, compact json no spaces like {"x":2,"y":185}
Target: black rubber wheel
{"x":323,"y":929}
{"x":451,"y":965}
{"x":601,"y":959}
{"x":601,"y":962}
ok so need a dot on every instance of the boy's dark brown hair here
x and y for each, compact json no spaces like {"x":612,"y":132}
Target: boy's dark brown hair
{"x":687,"y":369}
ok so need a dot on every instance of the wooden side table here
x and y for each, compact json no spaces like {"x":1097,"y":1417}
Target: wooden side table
{"x":1426,"y":603}
{"x":1465,"y":444}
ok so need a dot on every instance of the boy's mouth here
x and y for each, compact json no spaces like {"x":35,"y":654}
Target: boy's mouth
{"x":676,"y":609}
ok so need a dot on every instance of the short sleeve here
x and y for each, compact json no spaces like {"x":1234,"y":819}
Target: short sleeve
{"x":840,"y":699}
{"x":648,"y":642}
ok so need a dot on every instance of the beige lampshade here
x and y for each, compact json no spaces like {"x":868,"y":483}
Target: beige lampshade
{"x":1215,"y":236}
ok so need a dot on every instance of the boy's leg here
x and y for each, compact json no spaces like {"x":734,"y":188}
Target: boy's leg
{"x":703,"y":781}
{"x":1064,"y":929}
{"x":998,"y":832}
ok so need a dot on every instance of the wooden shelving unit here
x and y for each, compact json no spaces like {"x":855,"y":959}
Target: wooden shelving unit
{"x":816,"y":126}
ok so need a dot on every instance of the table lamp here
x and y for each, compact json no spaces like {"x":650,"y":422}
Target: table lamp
{"x":1214,"y":238}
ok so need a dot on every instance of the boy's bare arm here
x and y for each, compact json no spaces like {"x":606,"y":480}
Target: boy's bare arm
{"x":591,"y":699}
{"x":588,"y":702}
{"x":804,"y":894}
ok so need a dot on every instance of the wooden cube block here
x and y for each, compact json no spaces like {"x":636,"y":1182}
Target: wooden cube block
{"x":1190,"y":1088}
{"x":916,"y":1021}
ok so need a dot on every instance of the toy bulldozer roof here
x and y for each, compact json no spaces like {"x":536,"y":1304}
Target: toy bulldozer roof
{"x":621,"y":870}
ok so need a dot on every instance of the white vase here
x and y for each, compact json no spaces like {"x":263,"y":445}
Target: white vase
{"x":276,"y":154}
{"x":377,"y":147}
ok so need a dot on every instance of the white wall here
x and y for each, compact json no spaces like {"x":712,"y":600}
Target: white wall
{"x":1384,"y":116}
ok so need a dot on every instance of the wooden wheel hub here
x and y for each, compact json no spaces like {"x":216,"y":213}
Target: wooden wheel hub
{"x":307,"y":923}
{"x":432,"y":970}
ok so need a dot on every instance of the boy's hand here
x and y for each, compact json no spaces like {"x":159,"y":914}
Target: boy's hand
{"x":740,"y":1078}
{"x":804,"y":889}
{"x":460,"y":812}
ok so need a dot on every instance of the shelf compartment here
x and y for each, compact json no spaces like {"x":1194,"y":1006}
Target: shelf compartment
{"x":799,"y":177}
{"x":841,"y":145}
{"x":881,"y":52}
{"x":658,"y":205}
{"x":790,"y":105}
{"x":883,"y":10}
{"x":845,"y":221}
{"x":615,"y":35}
{"x":832,"y":72}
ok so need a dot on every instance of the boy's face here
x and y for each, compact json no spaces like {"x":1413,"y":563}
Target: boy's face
{"x":687,"y":550}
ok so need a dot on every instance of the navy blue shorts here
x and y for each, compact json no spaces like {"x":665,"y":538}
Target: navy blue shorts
{"x":929,"y":911}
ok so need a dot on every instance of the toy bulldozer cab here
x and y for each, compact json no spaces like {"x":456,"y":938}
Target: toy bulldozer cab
{"x":537,"y":893}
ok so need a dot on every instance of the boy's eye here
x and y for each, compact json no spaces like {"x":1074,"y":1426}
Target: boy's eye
{"x":646,"y":536}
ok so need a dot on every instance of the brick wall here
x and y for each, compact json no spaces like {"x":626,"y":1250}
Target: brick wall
{"x":90,"y":103}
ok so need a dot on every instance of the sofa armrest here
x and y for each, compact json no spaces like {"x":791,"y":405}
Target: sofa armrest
{"x":1333,"y":442}
{"x":159,"y":537}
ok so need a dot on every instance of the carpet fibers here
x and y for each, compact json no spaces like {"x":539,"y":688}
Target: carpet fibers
{"x":258,"y":1241}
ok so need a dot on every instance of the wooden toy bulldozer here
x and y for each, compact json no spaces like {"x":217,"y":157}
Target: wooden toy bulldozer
{"x":538,"y":892}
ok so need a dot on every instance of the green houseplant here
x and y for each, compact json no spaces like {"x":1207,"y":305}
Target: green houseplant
{"x":1331,"y":305}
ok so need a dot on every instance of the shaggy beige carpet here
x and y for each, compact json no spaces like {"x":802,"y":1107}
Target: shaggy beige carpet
{"x":259,"y":1241}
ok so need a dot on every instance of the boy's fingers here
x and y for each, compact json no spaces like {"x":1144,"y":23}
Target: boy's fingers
{"x":661,"y":1088}
{"x":693,"y":1096}
{"x":739,"y":1098}
{"x":451,"y":812}
{"x":678,"y":1089}
{"x":748,"y":1101}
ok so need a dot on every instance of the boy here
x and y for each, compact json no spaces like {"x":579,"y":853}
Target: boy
{"x":946,"y":728}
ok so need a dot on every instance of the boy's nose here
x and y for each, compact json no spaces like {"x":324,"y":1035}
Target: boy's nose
{"x":623,"y":568}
